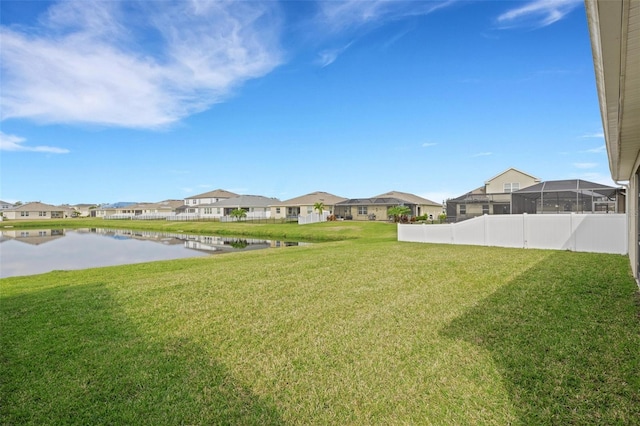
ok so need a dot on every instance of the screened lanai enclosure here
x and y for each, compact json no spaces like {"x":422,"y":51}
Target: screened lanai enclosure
{"x":568,"y":196}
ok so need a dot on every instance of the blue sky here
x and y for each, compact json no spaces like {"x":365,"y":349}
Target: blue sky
{"x":155,"y":100}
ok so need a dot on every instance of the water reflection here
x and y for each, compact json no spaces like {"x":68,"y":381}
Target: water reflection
{"x":29,"y":251}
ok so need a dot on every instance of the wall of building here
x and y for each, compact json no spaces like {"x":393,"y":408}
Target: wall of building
{"x":496,"y":185}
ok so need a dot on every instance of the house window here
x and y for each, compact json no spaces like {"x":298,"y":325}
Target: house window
{"x":512,"y":187}
{"x":362,"y":210}
{"x":277,"y":210}
{"x":42,"y":214}
{"x":24,"y":214}
{"x":309,"y":209}
{"x":208,"y":210}
{"x":463,"y":209}
{"x":485,"y":209}
{"x":218,"y":210}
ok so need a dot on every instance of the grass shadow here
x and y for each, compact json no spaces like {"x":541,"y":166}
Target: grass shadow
{"x":68,"y":355}
{"x":565,"y":340}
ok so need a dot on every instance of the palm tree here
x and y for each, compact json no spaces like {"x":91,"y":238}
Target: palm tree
{"x":319,"y":206}
{"x":398,"y":211}
{"x":238,"y":213}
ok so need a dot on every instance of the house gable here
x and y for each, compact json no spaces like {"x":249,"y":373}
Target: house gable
{"x":508,"y":181}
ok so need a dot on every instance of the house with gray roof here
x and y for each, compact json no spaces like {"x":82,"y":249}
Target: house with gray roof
{"x":206,"y":198}
{"x":494,"y":197}
{"x":376,"y":208}
{"x":303,"y":205}
{"x":256,"y":207}
{"x":36,"y":211}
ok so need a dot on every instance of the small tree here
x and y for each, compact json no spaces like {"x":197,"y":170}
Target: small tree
{"x":238,"y":214}
{"x":319,"y":206}
{"x":397,"y":212}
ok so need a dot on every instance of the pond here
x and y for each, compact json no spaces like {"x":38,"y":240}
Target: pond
{"x":35,"y":251}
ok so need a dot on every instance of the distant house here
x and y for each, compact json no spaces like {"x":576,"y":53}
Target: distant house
{"x":494,"y":197}
{"x":104,"y":210}
{"x":303,"y":205}
{"x":5,"y":205}
{"x":207,"y":198}
{"x":80,"y":210}
{"x":376,"y":208}
{"x":256,"y":207}
{"x":139,"y":210}
{"x":421,"y":206}
{"x":36,"y":211}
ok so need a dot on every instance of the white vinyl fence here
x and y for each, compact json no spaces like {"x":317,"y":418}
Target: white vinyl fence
{"x":313,"y":218}
{"x":597,"y":233}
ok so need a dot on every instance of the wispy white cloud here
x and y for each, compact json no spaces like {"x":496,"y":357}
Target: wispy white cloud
{"x":16,"y":143}
{"x":97,"y":64}
{"x":428,"y":144}
{"x":537,"y":13}
{"x":585,"y":165}
{"x":596,"y":177}
{"x":351,"y":14}
{"x":482,"y":154}
{"x":342,"y":18}
{"x":599,"y":135}
{"x":328,"y":56}
{"x":598,"y":150}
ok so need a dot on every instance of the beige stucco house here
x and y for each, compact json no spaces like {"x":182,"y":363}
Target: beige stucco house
{"x":255,"y":206}
{"x":376,"y":208}
{"x":494,"y":197}
{"x":615,"y":42}
{"x":208,"y":198}
{"x":36,"y":211}
{"x":161,"y":208}
{"x":303,"y":205}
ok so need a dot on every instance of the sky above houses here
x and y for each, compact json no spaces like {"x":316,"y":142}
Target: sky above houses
{"x":154,"y":100}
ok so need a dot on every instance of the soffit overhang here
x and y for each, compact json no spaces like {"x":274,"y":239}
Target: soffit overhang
{"x":615,"y":41}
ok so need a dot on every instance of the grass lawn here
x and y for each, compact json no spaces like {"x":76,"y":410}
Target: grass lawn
{"x":361,"y":329}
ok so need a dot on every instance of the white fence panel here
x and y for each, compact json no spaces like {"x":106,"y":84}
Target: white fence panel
{"x":469,"y":232}
{"x":594,"y":235}
{"x":313,"y":218}
{"x":577,"y":232}
{"x":548,"y":231}
{"x":504,"y":231}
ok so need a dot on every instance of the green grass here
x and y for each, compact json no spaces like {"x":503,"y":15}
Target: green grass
{"x":366,"y":330}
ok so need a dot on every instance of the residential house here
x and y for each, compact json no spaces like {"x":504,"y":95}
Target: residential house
{"x":207,"y":198}
{"x":494,"y":197}
{"x":144,"y":210}
{"x":36,"y":211}
{"x":304,"y":205}
{"x":256,"y":207}
{"x":104,"y":210}
{"x":421,"y":206}
{"x":613,"y":27}
{"x":5,"y":205}
{"x":79,"y":210}
{"x":376,"y":208}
